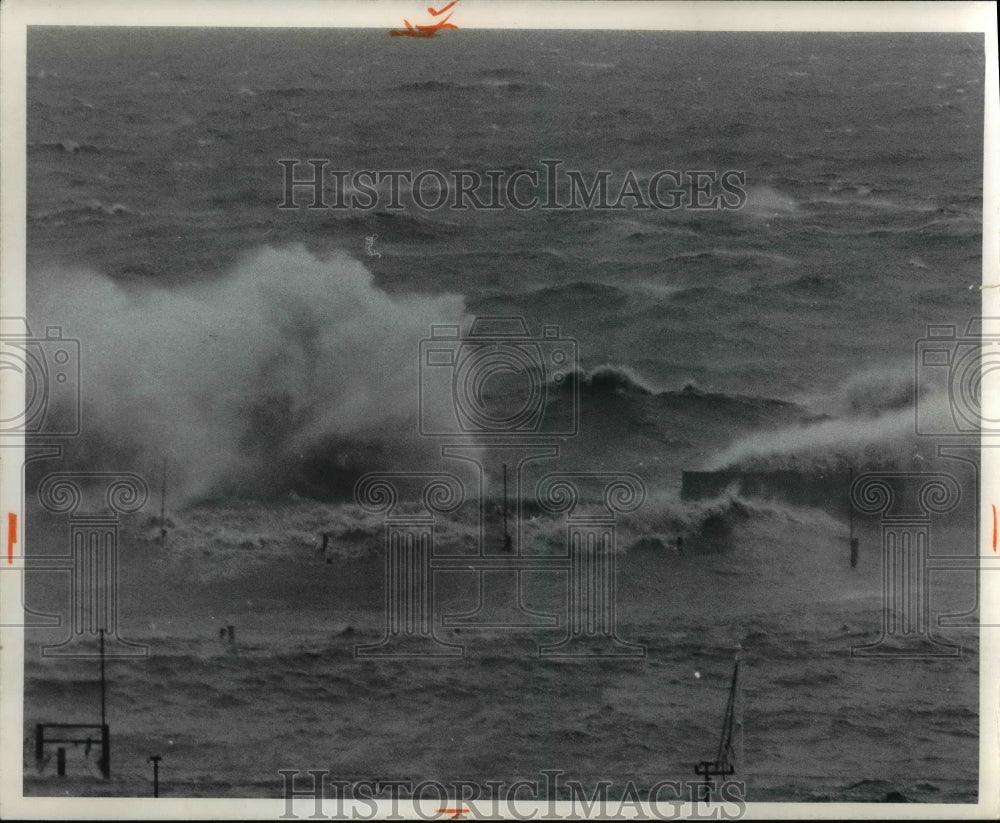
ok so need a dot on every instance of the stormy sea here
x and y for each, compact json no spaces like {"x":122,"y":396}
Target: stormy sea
{"x":253,"y":363}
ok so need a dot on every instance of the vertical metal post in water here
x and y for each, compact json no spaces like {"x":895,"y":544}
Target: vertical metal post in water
{"x":850,"y":510}
{"x":163,"y":504}
{"x":850,"y":503}
{"x":103,"y":705}
{"x":155,"y":759}
{"x":105,"y":734}
{"x":105,"y":751}
{"x":506,"y":533}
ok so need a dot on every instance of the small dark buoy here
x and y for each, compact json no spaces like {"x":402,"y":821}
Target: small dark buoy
{"x":680,"y":545}
{"x":222,"y":633}
{"x":231,"y":633}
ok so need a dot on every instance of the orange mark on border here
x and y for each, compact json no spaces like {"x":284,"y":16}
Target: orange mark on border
{"x":455,"y":813}
{"x":12,"y":535}
{"x":443,"y":10}
{"x":994,"y":527}
{"x":427,"y":31}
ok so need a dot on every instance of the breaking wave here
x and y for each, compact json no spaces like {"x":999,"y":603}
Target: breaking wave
{"x":288,"y":372}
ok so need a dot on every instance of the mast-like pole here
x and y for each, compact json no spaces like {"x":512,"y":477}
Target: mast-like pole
{"x":855,"y":543}
{"x":163,"y":503}
{"x":506,"y":533}
{"x":726,"y":741}
{"x":850,"y":506}
{"x":103,"y":712}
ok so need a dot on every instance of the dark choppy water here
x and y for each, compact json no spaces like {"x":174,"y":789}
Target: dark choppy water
{"x":266,"y":352}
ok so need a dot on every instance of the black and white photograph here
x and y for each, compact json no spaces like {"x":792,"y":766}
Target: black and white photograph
{"x":499,"y":410}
